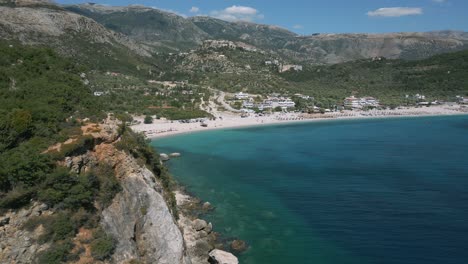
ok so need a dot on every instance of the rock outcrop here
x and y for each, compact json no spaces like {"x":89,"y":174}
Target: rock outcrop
{"x":18,"y":245}
{"x":222,"y":257}
{"x":198,"y":234}
{"x":54,"y":26}
{"x":138,"y":218}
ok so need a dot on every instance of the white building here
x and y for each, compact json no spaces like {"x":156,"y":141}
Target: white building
{"x":305,"y":97}
{"x":289,"y":67}
{"x":286,"y":103}
{"x":420,"y":97}
{"x":241,"y":96}
{"x":248,"y":104}
{"x":354,"y":102}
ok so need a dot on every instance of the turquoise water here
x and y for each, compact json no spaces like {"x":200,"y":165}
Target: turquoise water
{"x":356,"y":191}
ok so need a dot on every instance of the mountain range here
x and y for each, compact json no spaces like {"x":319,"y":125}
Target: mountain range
{"x":119,"y":33}
{"x":162,"y":29}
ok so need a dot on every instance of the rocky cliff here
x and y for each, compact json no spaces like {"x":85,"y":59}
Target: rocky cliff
{"x":138,"y":217}
{"x":16,"y":244}
{"x":51,"y":25}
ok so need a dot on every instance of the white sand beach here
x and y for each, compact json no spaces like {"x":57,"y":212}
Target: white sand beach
{"x":164,"y":128}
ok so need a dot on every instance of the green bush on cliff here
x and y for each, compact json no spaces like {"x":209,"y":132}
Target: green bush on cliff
{"x":108,"y":184}
{"x":68,"y":190}
{"x":59,"y":253}
{"x":102,"y":246}
{"x":41,"y":96}
{"x":23,"y":167}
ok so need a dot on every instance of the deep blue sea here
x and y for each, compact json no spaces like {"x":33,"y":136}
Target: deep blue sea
{"x":345,"y":191}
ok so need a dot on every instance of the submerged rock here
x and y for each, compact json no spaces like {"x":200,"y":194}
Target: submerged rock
{"x":222,"y":257}
{"x":207,"y":206}
{"x":238,"y":245}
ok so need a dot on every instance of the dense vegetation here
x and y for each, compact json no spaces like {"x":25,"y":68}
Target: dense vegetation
{"x":128,"y":93}
{"x":440,"y":77}
{"x":42,"y":99}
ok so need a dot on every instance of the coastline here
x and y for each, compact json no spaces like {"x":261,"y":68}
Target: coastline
{"x":164,"y":128}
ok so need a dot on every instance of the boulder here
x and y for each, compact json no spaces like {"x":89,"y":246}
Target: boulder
{"x":209,"y":228}
{"x":164,"y":157}
{"x":222,"y":257}
{"x":174,"y":155}
{"x":199,"y":224}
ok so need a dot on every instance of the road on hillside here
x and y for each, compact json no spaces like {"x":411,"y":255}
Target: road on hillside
{"x":228,"y":107}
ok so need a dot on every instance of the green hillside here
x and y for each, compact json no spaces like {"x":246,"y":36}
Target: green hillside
{"x":440,"y":77}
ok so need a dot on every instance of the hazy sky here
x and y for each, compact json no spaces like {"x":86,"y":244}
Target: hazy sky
{"x":332,"y":16}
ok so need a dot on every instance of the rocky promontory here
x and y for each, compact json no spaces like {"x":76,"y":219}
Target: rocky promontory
{"x":146,"y":229}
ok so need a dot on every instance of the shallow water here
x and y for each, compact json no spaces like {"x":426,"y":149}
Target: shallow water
{"x":349,"y":191}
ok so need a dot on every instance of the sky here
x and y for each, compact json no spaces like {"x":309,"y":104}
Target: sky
{"x":322,"y":16}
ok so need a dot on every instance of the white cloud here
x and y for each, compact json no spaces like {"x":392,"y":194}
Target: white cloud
{"x":439,"y":1}
{"x":298,"y":26}
{"x":395,"y":12}
{"x":194,"y":9}
{"x":238,"y":13}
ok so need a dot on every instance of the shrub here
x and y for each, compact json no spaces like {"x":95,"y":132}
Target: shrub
{"x":71,"y":191}
{"x":58,"y":227}
{"x":148,"y":120}
{"x":16,"y":198}
{"x":108,"y":184}
{"x":103,"y":245}
{"x":23,"y":166}
{"x":56,"y":254}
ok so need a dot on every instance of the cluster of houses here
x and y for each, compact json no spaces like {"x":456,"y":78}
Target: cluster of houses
{"x":421,"y":100}
{"x":272,"y":101}
{"x":290,"y":67}
{"x":283,"y":67}
{"x":169,"y":84}
{"x":227,"y":44}
{"x":353,"y":102}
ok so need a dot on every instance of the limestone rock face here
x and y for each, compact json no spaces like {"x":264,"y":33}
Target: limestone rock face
{"x":222,"y":257}
{"x":138,"y":218}
{"x":18,"y":245}
{"x":142,"y":224}
{"x":50,"y":25}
